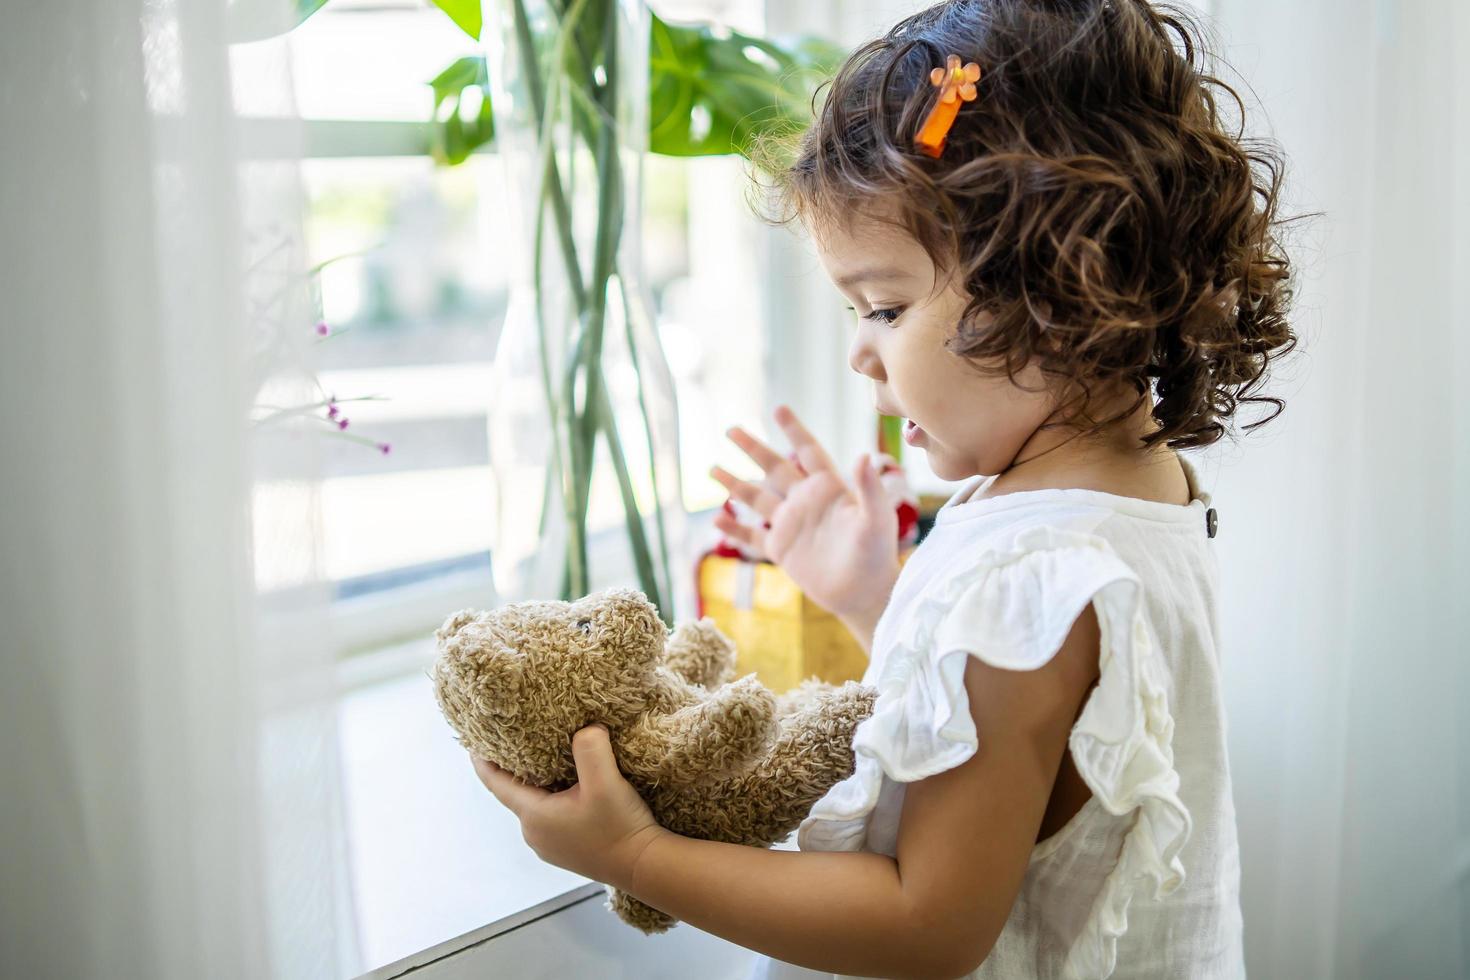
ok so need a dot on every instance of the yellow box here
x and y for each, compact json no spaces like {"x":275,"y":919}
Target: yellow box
{"x":778,"y":632}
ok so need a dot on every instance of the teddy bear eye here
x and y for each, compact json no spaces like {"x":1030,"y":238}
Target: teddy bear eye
{"x":585,"y":625}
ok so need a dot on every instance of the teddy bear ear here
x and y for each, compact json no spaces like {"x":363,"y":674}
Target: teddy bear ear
{"x":622,"y":597}
{"x":453,"y":625}
{"x":476,"y":673}
{"x":624,"y":618}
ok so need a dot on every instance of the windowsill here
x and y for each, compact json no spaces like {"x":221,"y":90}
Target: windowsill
{"x":435,"y":858}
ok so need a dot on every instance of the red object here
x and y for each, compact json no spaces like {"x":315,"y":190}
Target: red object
{"x":908,"y":519}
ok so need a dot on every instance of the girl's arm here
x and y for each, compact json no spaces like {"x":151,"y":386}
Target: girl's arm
{"x":838,"y":912}
{"x":965,"y":839}
{"x":964,"y":842}
{"x":862,"y":625}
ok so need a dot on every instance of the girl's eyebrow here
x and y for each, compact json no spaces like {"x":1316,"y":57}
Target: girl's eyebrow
{"x":879,"y":274}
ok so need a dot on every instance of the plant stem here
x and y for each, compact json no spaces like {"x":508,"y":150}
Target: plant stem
{"x":658,"y":507}
{"x":637,"y":536}
{"x":609,"y":226}
{"x":580,"y":424}
{"x":550,"y":186}
{"x":310,"y":409}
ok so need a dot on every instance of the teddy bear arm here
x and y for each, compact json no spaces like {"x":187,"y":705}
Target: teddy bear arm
{"x":723,"y":732}
{"x":812,"y":754}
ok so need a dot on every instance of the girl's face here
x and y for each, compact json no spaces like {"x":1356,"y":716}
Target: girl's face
{"x":966,"y":422}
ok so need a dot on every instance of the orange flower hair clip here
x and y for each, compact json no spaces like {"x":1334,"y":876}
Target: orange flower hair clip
{"x":956,"y":86}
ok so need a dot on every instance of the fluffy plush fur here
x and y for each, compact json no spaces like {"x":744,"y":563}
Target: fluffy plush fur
{"x":714,"y":757}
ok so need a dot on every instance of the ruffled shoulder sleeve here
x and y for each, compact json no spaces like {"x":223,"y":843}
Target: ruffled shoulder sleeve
{"x":1012,"y":609}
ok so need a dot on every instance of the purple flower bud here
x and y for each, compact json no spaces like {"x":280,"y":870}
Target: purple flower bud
{"x":322,"y":329}
{"x":384,"y":447}
{"x":342,"y":422}
{"x":332,"y":410}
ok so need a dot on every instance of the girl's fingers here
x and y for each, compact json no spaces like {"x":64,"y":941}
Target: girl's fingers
{"x":762,"y":500}
{"x":515,"y":795}
{"x":859,"y":478}
{"x":813,"y":457}
{"x":780,"y":469}
{"x":751,"y":537}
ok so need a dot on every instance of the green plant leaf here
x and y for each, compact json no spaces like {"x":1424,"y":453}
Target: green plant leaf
{"x":256,"y":20}
{"x":465,"y":14}
{"x":453,"y":137}
{"x":717,"y":92}
{"x":710,"y":93}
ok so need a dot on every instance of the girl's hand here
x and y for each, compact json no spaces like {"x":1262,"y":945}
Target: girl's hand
{"x":837,"y":541}
{"x":597,"y":828}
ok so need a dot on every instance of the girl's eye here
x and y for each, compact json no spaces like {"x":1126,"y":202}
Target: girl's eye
{"x":882,"y":316}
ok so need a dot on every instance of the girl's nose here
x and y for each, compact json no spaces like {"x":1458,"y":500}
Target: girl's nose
{"x":863,"y":359}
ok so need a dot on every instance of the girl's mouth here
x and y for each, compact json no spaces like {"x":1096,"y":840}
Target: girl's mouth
{"x":911,"y":432}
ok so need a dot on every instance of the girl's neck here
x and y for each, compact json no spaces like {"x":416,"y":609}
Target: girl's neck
{"x":1112,"y":461}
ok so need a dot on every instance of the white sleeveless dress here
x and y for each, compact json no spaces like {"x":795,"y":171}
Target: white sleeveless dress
{"x":1144,"y":881}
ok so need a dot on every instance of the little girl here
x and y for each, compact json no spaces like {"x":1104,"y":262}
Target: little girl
{"x":1064,"y":270}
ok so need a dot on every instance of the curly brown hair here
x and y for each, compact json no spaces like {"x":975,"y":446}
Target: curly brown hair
{"x":1107,"y":226}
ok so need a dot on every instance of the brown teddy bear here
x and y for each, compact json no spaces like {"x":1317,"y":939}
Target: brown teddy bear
{"x":715,"y":758}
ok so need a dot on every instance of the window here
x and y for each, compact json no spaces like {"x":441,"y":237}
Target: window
{"x":412,"y":298}
{"x":412,"y":293}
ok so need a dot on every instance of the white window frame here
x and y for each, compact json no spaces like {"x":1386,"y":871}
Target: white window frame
{"x":370,"y":631}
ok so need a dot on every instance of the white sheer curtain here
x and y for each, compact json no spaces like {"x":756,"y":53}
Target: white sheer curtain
{"x":169,"y":802}
{"x":1344,"y":535}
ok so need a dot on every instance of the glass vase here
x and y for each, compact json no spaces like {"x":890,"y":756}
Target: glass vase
{"x":583,"y":423}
